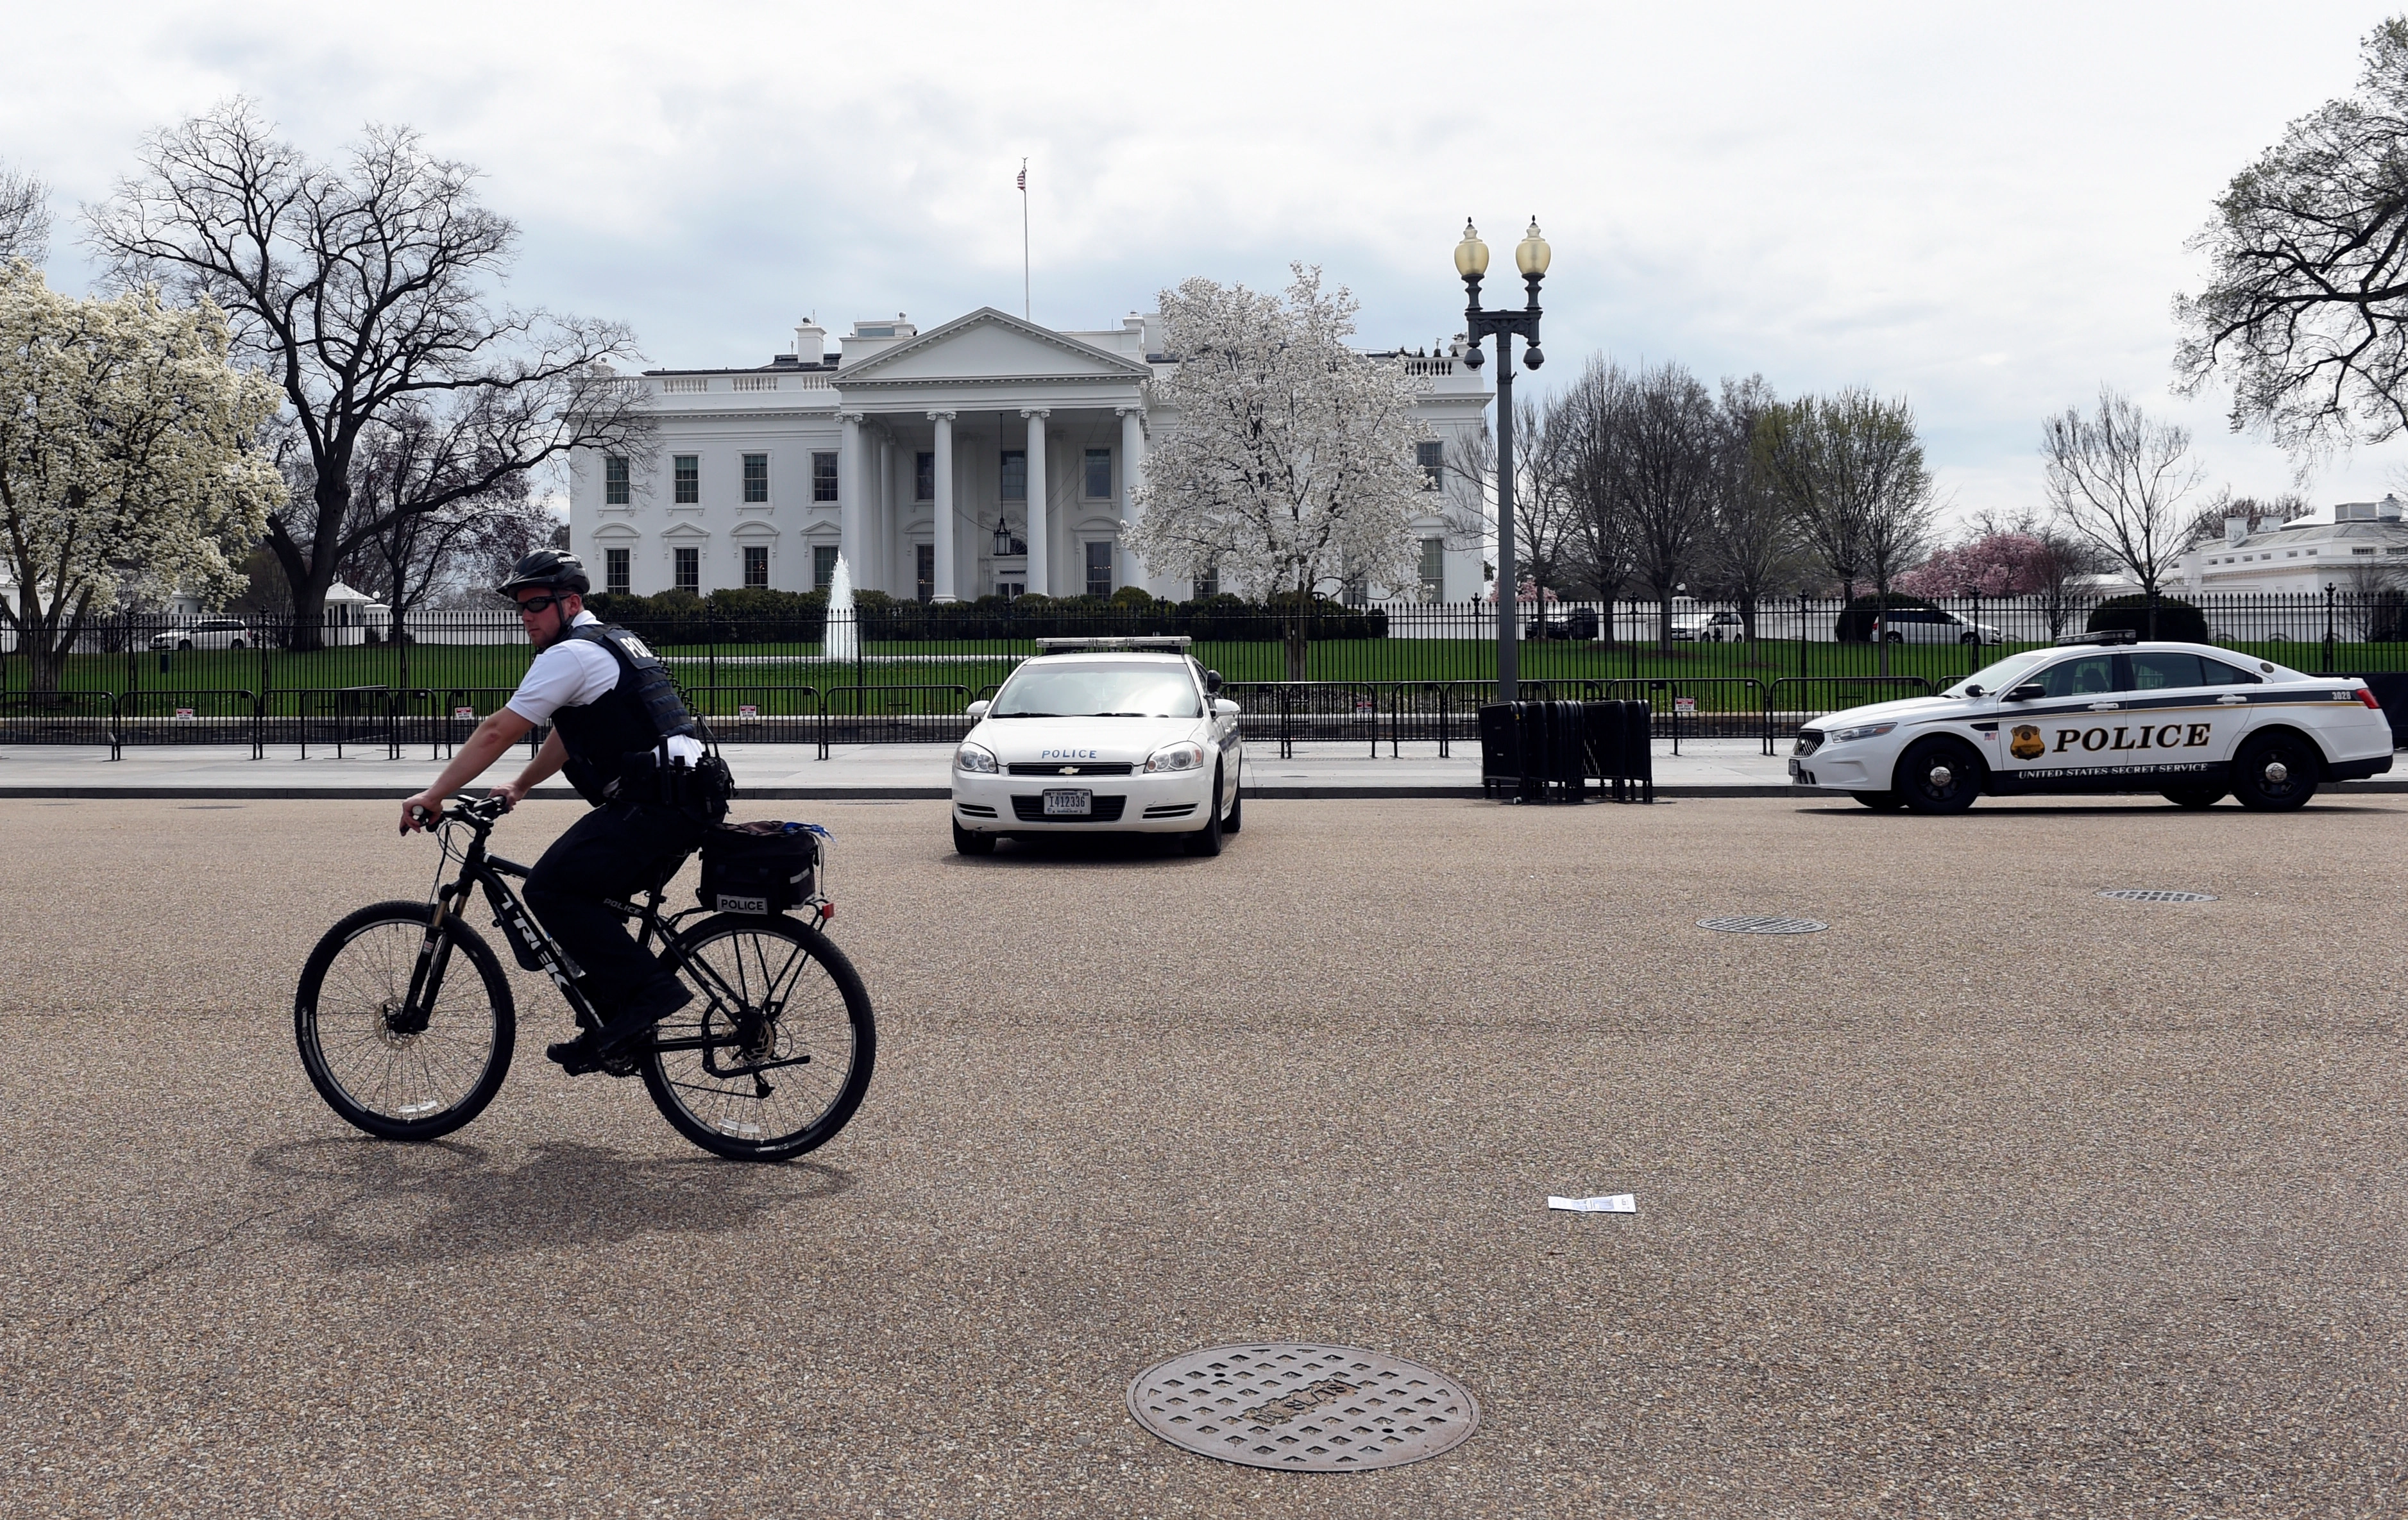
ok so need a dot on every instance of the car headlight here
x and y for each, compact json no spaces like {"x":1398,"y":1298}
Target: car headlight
{"x":1870,"y":730}
{"x":975,"y":759}
{"x":1184,"y":755}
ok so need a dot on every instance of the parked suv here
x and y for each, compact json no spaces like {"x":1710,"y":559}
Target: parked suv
{"x":1577,"y":622}
{"x":1710,"y":627}
{"x":1930,"y":625}
{"x":209,"y":633}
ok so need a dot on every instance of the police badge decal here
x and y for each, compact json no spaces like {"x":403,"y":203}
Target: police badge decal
{"x":2028,"y":744}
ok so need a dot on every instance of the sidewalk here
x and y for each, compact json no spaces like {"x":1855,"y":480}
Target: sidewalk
{"x":1704,"y":767}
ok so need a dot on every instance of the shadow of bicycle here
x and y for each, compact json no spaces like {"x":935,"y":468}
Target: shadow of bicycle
{"x":385,"y":1202}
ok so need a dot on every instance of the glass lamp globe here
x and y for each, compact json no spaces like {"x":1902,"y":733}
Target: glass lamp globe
{"x":1531,"y":256}
{"x":1471,"y":254}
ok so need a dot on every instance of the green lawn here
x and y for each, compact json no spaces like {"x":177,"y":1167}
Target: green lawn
{"x":763,"y":675}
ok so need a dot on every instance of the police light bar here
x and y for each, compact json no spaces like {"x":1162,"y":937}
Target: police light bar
{"x":1138,"y":644}
{"x":2102,"y":636}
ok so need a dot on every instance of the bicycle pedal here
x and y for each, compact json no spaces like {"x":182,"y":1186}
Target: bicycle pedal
{"x":619,"y":1065}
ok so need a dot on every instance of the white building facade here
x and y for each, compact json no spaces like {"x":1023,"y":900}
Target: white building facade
{"x":986,"y":456}
{"x":2352,"y":545}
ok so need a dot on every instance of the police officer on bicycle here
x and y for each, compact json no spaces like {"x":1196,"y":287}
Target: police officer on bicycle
{"x":626,"y":742}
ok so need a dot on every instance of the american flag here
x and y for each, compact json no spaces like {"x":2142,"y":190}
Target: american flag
{"x":1024,"y":176}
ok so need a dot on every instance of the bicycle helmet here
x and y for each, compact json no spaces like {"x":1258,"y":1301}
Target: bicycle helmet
{"x":547,"y":567}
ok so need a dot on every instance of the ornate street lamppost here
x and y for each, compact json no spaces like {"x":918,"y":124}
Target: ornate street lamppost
{"x":1472,"y":262}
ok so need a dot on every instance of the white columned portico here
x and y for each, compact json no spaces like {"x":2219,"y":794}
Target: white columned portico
{"x":852,"y":480}
{"x":941,"y":516}
{"x":887,"y":515}
{"x":1132,"y":476}
{"x":1038,"y":559}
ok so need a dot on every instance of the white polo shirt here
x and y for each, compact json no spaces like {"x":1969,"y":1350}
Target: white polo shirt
{"x":573,"y":673}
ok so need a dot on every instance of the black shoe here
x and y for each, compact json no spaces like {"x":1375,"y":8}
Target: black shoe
{"x":576,"y":1057}
{"x":605,"y":1049}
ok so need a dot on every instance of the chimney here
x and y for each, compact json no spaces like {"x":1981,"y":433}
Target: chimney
{"x":810,"y":343}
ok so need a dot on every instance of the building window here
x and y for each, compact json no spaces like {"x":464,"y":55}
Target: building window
{"x":1433,"y":569}
{"x":756,"y":477}
{"x":824,"y":476}
{"x":688,"y":472}
{"x":925,"y":574}
{"x":1099,"y":565}
{"x":1099,"y":475}
{"x":756,"y":565}
{"x":1432,"y":457}
{"x":1015,"y":475}
{"x":615,"y":579}
{"x":1209,"y":583}
{"x":689,"y":569}
{"x":615,"y":481}
{"x":924,"y":477}
{"x":823,"y":566}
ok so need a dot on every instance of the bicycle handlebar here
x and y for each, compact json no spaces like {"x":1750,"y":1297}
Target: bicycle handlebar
{"x":477,"y":815}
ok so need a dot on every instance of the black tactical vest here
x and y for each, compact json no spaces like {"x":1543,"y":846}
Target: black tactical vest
{"x":623,"y":728}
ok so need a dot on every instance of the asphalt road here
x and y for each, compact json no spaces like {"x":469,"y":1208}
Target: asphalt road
{"x":1997,"y":1197}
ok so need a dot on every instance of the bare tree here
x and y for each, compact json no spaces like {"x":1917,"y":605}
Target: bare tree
{"x":1792,"y":447}
{"x":1751,"y":541}
{"x":1662,"y":436}
{"x":1853,"y":472}
{"x":2116,"y":479}
{"x":1546,"y":530}
{"x":1579,"y":427}
{"x":24,"y":217}
{"x":2307,"y":310}
{"x":2207,"y":525}
{"x":360,"y":289}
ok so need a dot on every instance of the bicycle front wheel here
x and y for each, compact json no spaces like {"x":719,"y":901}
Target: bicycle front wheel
{"x":773,"y":1055}
{"x":396,"y":1073}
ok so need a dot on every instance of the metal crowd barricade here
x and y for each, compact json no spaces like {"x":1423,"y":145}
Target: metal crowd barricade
{"x":893,"y":714}
{"x":464,"y":708}
{"x":336,"y":715}
{"x":1852,"y":691}
{"x":757,"y":714}
{"x":69,"y":717}
{"x":182,"y":717}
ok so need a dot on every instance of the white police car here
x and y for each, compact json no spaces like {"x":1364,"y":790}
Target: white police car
{"x":1101,"y":736}
{"x":2102,"y":713}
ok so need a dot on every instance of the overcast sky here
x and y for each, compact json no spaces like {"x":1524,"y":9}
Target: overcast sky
{"x":1982,"y":208}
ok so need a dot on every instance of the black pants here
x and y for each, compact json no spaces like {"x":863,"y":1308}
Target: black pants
{"x":617,"y":851}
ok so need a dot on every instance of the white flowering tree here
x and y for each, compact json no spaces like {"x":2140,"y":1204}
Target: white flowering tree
{"x":129,"y":452}
{"x":1286,"y":464}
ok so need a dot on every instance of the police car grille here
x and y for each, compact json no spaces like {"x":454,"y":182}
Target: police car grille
{"x":1084,"y":768}
{"x":1809,"y":740}
{"x":1032,"y":810}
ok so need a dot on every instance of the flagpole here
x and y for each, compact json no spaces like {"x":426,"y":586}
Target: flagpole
{"x":1024,"y":308}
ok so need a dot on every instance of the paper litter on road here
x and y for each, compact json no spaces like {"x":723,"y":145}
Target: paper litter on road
{"x":1610,"y":1203}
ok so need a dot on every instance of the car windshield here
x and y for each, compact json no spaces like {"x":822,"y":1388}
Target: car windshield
{"x":1059,"y":689}
{"x":1996,"y":678}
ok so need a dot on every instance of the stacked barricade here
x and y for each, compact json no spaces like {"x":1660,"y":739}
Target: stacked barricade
{"x":1548,"y":751}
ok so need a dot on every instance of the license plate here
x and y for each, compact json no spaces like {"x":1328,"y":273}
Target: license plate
{"x":1069,"y":804}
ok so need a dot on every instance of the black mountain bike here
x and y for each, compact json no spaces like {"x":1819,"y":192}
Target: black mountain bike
{"x":406,"y":1042}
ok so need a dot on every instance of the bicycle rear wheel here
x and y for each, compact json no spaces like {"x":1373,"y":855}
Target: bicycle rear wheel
{"x":773,"y":1055}
{"x":397,"y":1077}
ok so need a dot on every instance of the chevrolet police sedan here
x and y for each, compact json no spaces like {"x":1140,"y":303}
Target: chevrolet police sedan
{"x":2102,"y":713}
{"x":1101,"y":736}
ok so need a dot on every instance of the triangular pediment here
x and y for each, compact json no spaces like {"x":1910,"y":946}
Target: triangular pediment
{"x":990,"y":345}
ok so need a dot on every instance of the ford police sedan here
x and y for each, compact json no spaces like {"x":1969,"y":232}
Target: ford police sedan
{"x":2102,"y":713}
{"x":1101,"y":736}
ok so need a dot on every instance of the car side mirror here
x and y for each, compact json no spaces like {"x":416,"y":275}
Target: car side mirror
{"x":1224,"y":707}
{"x":1211,"y":682}
{"x":978,"y":710}
{"x":1976,"y":689}
{"x":2031,"y":691}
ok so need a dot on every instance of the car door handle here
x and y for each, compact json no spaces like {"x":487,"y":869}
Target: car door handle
{"x":2105,"y":707}
{"x":2229,"y":701}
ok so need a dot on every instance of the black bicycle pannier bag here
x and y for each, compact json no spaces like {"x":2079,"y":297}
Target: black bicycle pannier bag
{"x":764,"y":867}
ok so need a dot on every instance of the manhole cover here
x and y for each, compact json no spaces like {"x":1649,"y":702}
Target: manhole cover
{"x":1761,"y":923}
{"x":2147,"y":895}
{"x":1303,"y":1409}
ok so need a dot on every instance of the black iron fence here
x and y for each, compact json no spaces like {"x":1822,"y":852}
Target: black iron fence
{"x":895,"y":673}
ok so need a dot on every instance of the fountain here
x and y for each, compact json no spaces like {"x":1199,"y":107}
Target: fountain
{"x":841,"y":639}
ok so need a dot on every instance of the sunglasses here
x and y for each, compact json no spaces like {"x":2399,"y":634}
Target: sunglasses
{"x":538,"y":604}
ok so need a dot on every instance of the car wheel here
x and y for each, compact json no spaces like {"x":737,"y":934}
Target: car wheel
{"x":1970,"y":639}
{"x":1237,"y":819}
{"x":968,"y":844}
{"x":1880,"y":801}
{"x":1894,"y":638}
{"x":1206,"y":841}
{"x":1939,"y":775}
{"x":183,"y":643}
{"x":2275,"y":772}
{"x":2194,"y":796}
{"x":235,"y":644}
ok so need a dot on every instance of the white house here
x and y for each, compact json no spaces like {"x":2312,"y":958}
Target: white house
{"x":987,"y":456}
{"x":2354,"y":544}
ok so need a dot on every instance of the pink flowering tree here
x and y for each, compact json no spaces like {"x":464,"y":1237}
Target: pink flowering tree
{"x":1994,"y":564}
